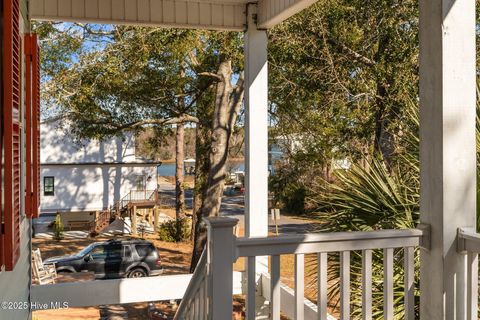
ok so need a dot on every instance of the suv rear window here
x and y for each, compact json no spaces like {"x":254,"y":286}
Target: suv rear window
{"x":144,"y":250}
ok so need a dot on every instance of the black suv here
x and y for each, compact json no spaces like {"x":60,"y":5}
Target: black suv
{"x":113,"y":259}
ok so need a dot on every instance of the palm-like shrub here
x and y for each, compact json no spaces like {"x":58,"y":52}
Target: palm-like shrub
{"x":377,"y":197}
{"x":373,"y":198}
{"x":369,"y":199}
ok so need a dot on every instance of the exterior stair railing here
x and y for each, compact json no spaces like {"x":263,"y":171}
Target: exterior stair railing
{"x":209,"y":295}
{"x":102,"y":220}
{"x":135,"y":196}
{"x":195,"y":300}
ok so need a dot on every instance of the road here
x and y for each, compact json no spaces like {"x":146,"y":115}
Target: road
{"x":233,"y":206}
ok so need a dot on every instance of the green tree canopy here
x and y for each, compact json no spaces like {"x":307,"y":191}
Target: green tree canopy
{"x":341,"y":72}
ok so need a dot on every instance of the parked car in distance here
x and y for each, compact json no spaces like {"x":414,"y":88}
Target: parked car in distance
{"x":112,"y":259}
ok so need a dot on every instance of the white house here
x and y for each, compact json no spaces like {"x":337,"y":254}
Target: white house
{"x":91,"y":175}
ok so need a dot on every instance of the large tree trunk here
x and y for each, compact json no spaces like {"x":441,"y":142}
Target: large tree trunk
{"x":203,"y":132}
{"x":385,"y":115}
{"x":202,"y":166}
{"x":219,"y":146}
{"x":228,"y":100}
{"x":386,"y":111}
{"x":179,"y":171}
{"x":201,"y":173}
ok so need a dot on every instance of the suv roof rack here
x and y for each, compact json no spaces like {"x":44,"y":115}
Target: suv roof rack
{"x":112,"y":240}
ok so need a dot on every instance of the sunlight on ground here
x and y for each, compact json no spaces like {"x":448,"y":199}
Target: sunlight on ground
{"x":71,"y":313}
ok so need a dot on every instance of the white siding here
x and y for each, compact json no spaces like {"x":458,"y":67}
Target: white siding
{"x":89,"y":176}
{"x":273,"y":12}
{"x":15,"y":285}
{"x":59,"y":147}
{"x":91,"y":187}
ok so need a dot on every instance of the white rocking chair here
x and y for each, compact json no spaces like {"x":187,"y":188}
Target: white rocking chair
{"x":43,"y":274}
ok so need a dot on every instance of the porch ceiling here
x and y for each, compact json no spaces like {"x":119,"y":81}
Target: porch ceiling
{"x":193,"y":14}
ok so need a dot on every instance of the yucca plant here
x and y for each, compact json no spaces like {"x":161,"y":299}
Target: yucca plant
{"x":364,"y":200}
{"x":373,"y":198}
{"x":379,"y":197}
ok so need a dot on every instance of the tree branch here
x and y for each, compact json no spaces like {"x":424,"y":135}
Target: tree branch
{"x":86,"y":28}
{"x":211,"y":74}
{"x":163,"y":122}
{"x":236,"y":101}
{"x":351,"y":53}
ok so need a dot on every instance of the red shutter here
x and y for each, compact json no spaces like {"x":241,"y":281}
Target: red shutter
{"x":32,"y":121}
{"x":35,"y":127}
{"x":2,"y":219}
{"x":28,"y":125}
{"x":11,"y":131}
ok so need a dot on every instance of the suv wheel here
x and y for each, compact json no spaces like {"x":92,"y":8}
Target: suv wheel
{"x":137,"y":273}
{"x":64,"y":271}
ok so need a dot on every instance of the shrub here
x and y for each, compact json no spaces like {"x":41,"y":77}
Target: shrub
{"x":373,"y":198}
{"x":294,"y":199}
{"x":58,"y":228}
{"x":288,"y":190}
{"x":365,"y":200}
{"x":175,"y":230}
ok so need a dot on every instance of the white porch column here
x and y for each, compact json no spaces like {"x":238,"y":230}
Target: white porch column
{"x":256,"y":150}
{"x":256,"y":133}
{"x":447,"y":150}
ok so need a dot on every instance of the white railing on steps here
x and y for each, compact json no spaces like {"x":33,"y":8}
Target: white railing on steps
{"x":223,"y":249}
{"x":194,"y":304}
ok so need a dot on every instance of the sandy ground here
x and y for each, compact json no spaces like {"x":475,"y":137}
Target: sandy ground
{"x":71,"y":313}
{"x":188,"y":180}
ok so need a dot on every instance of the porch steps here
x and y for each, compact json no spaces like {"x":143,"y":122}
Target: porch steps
{"x":117,"y":227}
{"x":113,"y":312}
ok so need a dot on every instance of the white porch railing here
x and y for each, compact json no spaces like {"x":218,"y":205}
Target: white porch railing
{"x":224,"y":249}
{"x":114,"y":291}
{"x":469,"y":244}
{"x":195,"y":301}
{"x":118,"y":291}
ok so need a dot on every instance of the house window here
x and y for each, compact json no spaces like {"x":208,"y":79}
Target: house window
{"x":48,"y":186}
{"x":140,"y":183}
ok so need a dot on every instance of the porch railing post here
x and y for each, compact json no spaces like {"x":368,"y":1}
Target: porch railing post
{"x":220,"y":266}
{"x":447,"y":151}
